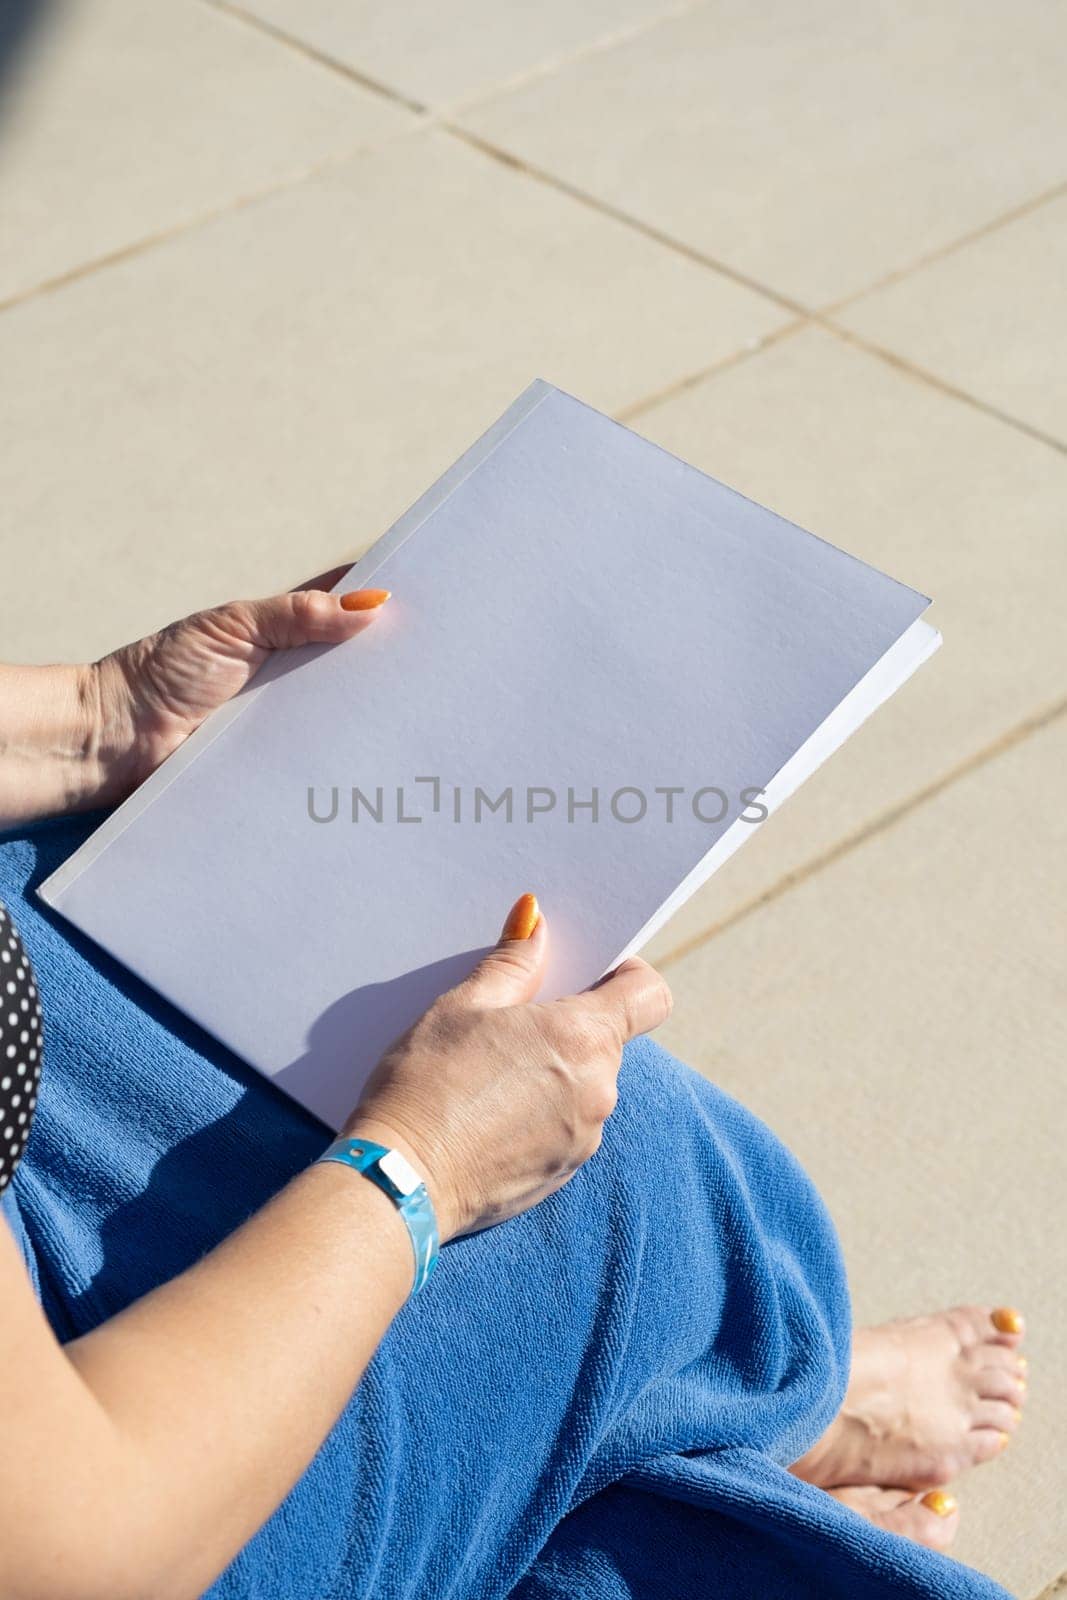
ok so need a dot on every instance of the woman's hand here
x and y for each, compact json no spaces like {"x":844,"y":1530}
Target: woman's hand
{"x":153,"y":694}
{"x":497,"y":1101}
{"x":72,"y":738}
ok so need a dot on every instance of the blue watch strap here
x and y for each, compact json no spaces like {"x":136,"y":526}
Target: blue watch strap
{"x":396,"y":1177}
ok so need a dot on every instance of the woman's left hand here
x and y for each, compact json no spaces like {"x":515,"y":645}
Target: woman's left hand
{"x":72,"y":738}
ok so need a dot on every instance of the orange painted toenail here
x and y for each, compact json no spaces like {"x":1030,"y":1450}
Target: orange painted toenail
{"x":1007,"y":1320}
{"x":940,"y":1503}
{"x":1023,"y":1363}
{"x":1005,"y":1440}
{"x":1017,"y":1413}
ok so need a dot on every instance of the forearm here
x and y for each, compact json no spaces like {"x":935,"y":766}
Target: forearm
{"x":202,"y":1404}
{"x":50,"y":755}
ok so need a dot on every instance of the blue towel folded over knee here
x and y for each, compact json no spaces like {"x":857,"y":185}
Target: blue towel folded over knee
{"x":597,"y":1400}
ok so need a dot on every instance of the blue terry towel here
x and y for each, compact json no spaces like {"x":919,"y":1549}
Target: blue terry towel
{"x":597,"y":1400}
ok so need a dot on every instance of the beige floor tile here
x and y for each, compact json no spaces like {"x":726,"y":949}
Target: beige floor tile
{"x":129,"y":119}
{"x":246,"y":403}
{"x":436,"y":52}
{"x":815,"y":148}
{"x":899,"y":1020}
{"x":940,"y":496}
{"x":990,"y":318}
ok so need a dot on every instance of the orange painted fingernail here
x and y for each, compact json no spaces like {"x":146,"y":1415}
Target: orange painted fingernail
{"x":364,"y":599}
{"x":940,"y":1503}
{"x":1007,"y":1320}
{"x":522,"y":918}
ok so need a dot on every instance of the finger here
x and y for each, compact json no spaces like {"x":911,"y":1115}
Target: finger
{"x":307,"y":616}
{"x":634,"y":996}
{"x":326,"y":580}
{"x":511,"y":973}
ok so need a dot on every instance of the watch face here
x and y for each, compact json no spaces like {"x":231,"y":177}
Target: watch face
{"x":399,"y":1171}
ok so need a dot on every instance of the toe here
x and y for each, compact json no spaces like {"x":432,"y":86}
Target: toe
{"x":931,"y":1519}
{"x":974,"y":1325}
{"x":987,"y":1443}
{"x":935,"y":1519}
{"x":996,"y":1354}
{"x":998,"y":1414}
{"x":1008,"y":1325}
{"x":1000,"y":1382}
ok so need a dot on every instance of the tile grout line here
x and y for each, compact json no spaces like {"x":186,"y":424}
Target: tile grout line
{"x":300,"y":47}
{"x":933,"y":381}
{"x":136,"y":247}
{"x":1026,"y":209}
{"x":637,"y":408}
{"x":563,"y":186}
{"x":584,"y":52}
{"x":878,"y":825}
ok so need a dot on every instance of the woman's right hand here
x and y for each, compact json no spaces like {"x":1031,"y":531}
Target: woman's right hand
{"x":497,"y":1100}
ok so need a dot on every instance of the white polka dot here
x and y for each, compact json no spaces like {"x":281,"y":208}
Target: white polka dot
{"x":10,"y":1050}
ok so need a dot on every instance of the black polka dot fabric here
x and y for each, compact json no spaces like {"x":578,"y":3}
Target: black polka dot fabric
{"x":20,"y":1048}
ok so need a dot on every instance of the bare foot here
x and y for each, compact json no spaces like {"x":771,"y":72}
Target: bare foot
{"x":928,"y":1398}
{"x":932,"y":1520}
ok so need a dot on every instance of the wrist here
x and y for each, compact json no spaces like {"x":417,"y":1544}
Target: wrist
{"x":391,"y":1172}
{"x":388,"y":1134}
{"x":49,"y":741}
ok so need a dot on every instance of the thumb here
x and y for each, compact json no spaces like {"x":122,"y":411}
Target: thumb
{"x":511,"y":973}
{"x":634,"y":997}
{"x":305,"y":616}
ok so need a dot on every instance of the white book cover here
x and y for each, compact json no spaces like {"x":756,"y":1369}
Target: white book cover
{"x":598,"y":670}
